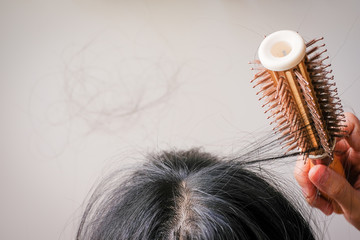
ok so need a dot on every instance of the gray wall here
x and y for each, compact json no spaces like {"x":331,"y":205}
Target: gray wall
{"x":88,"y":86}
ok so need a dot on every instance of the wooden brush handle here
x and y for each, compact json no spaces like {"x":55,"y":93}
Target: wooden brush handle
{"x":337,"y":167}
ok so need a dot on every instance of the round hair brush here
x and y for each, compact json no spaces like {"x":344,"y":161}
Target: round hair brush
{"x":300,"y":95}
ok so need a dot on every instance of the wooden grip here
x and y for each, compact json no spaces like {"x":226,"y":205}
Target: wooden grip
{"x":337,"y":167}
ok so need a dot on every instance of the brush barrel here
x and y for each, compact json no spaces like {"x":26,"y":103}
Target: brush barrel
{"x":282,"y":50}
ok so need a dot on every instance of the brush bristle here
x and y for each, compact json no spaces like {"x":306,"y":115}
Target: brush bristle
{"x":312,"y":123}
{"x":326,"y":93}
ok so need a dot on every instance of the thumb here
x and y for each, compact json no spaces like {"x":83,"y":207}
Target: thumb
{"x":334,"y":185}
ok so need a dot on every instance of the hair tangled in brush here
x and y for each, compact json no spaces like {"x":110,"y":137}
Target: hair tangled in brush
{"x":191,"y":195}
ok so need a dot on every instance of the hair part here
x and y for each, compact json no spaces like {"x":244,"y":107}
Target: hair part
{"x":191,"y":195}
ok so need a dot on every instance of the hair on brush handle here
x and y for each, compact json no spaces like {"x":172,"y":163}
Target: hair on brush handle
{"x":300,"y":95}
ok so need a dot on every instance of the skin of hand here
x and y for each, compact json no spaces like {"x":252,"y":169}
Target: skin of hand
{"x":345,"y":192}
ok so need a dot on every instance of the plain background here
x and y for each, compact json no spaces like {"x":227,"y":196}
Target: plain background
{"x":88,"y":86}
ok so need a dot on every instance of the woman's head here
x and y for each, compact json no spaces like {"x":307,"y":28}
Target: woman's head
{"x":192,"y":195}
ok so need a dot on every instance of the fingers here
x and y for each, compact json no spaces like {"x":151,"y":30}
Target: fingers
{"x":341,"y":146}
{"x":320,"y":203}
{"x":337,"y":188}
{"x":309,"y":190}
{"x":353,"y":129}
{"x":330,"y":183}
{"x":348,"y":149}
{"x":301,"y":175}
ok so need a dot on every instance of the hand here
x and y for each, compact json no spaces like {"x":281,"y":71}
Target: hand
{"x":344,"y":192}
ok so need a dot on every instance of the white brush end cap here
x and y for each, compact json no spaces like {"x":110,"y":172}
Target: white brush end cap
{"x":282,"y":50}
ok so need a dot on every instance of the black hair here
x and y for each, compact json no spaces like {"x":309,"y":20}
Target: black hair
{"x":191,"y":195}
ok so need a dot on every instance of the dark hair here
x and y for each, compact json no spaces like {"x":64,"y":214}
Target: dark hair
{"x":191,"y":195}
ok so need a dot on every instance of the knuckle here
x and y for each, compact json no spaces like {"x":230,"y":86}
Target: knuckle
{"x":311,"y":200}
{"x":336,"y":191}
